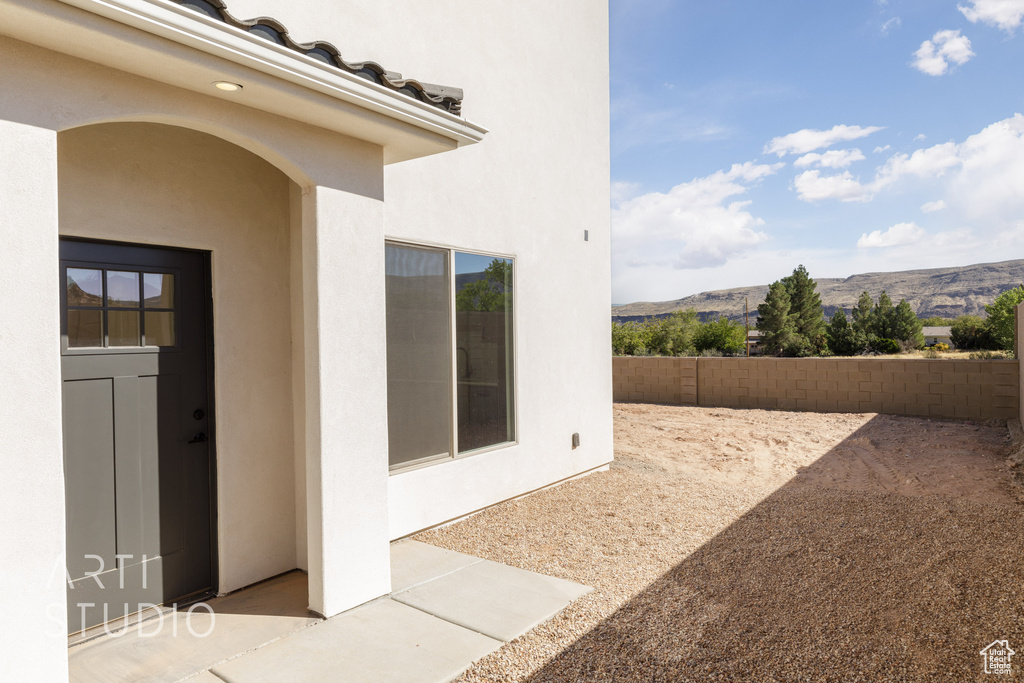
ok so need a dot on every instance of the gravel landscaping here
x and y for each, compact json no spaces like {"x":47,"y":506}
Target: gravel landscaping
{"x":769,"y":546}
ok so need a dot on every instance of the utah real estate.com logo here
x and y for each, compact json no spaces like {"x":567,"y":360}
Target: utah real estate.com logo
{"x":997,"y":657}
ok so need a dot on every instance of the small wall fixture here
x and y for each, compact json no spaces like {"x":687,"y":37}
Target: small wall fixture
{"x":227,"y":86}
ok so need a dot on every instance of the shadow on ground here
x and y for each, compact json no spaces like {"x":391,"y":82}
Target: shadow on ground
{"x":823,"y":583}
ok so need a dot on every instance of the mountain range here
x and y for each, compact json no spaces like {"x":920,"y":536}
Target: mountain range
{"x":945,"y":292}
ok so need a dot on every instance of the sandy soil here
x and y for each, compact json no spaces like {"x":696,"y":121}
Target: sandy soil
{"x":858,"y":452}
{"x":769,"y":546}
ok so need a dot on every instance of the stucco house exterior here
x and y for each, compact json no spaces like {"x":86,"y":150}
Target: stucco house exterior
{"x":937,"y":335}
{"x":267,"y":303}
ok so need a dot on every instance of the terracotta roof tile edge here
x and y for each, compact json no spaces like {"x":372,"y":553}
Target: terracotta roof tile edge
{"x":443,"y":97}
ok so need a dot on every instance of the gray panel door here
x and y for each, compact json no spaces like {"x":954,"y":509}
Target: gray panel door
{"x":137,"y":405}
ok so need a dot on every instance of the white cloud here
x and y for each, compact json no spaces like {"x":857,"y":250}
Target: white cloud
{"x":811,"y":186}
{"x":621,"y":191}
{"x":983,"y":176}
{"x":1004,"y":14}
{"x":879,"y":150}
{"x":945,"y":48}
{"x":898,"y":235}
{"x":919,"y":137}
{"x":929,"y":162}
{"x":698,"y":224}
{"x":835,"y":158}
{"x":932,"y":207}
{"x":808,"y":140}
{"x":890,"y":25}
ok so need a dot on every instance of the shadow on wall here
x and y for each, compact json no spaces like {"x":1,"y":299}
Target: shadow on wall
{"x":885,"y":573}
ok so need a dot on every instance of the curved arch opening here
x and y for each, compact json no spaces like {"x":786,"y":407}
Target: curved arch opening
{"x":179,"y":184}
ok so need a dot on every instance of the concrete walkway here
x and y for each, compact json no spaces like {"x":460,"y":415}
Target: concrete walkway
{"x":447,"y":610}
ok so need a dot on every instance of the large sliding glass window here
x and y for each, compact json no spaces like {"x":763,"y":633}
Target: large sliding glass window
{"x":449,"y":353}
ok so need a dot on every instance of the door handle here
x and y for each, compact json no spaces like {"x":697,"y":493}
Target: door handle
{"x":198,"y":438}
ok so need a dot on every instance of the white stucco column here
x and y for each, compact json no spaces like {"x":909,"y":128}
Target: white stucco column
{"x":346,"y":399}
{"x":32,"y":610}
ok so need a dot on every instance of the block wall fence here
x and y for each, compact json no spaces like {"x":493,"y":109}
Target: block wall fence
{"x":965,"y":389}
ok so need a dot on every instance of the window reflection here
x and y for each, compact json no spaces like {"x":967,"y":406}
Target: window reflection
{"x":158,"y":289}
{"x":85,"y":287}
{"x":418,"y":304}
{"x":122,"y":289}
{"x":483,"y":334}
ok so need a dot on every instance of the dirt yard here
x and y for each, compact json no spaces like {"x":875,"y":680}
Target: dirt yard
{"x":769,"y":546}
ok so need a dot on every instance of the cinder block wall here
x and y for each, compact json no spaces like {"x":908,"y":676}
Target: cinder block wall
{"x":966,"y":389}
{"x":655,"y":380}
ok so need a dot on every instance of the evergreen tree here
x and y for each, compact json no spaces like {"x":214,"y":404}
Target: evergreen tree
{"x":906,"y":327}
{"x":805,"y":309}
{"x":842,"y":337}
{"x":883,"y":318}
{"x":778,"y":334}
{"x":861,"y":320}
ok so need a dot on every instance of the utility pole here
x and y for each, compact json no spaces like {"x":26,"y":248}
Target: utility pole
{"x":746,"y":326}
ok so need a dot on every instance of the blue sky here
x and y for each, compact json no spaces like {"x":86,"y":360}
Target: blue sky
{"x":870,"y":135}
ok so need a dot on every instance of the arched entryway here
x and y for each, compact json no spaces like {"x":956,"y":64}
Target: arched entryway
{"x":206,"y":232}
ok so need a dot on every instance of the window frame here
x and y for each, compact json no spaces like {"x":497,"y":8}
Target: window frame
{"x":67,"y":350}
{"x":454,"y":454}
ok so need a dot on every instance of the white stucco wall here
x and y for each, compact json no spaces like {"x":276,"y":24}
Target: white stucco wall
{"x":535,"y":74}
{"x":31,"y":471}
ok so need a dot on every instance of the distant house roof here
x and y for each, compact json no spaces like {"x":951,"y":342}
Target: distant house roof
{"x":936,"y":331}
{"x":440,"y":96}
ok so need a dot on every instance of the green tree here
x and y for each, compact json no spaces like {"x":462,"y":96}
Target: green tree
{"x":680,"y":328}
{"x":861,"y":317}
{"x":968,"y":332}
{"x":723,"y":335}
{"x":842,"y":337}
{"x":628,"y":339}
{"x":1001,"y":321}
{"x":883,"y":318}
{"x":492,"y":293}
{"x":906,"y":328}
{"x":805,"y":310}
{"x":778,"y":333}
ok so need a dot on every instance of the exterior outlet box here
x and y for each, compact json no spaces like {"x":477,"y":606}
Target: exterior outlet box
{"x":576,"y":440}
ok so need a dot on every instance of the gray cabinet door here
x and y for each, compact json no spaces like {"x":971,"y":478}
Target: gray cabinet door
{"x":138,"y":420}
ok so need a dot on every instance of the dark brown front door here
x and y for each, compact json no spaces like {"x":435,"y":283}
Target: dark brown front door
{"x":137,"y":409}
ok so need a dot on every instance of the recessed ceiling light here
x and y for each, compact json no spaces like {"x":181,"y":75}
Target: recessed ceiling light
{"x":227,"y":86}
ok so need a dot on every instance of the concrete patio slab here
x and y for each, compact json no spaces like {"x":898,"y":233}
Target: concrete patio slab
{"x":494,"y":599}
{"x":413,"y":563}
{"x":448,"y":610}
{"x":381,"y":642}
{"x":167,"y":649}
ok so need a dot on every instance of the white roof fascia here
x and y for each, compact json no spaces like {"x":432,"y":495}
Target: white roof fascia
{"x":188,"y":27}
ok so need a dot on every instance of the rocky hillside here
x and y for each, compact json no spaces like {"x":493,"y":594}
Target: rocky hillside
{"x":946,"y":292}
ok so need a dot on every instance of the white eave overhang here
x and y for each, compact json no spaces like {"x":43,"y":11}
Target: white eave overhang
{"x":275,"y":78}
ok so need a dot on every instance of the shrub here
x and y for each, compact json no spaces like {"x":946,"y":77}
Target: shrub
{"x":969,"y":332}
{"x":987,"y":355}
{"x":721,"y":336}
{"x":940,"y":347}
{"x":885,"y":346}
